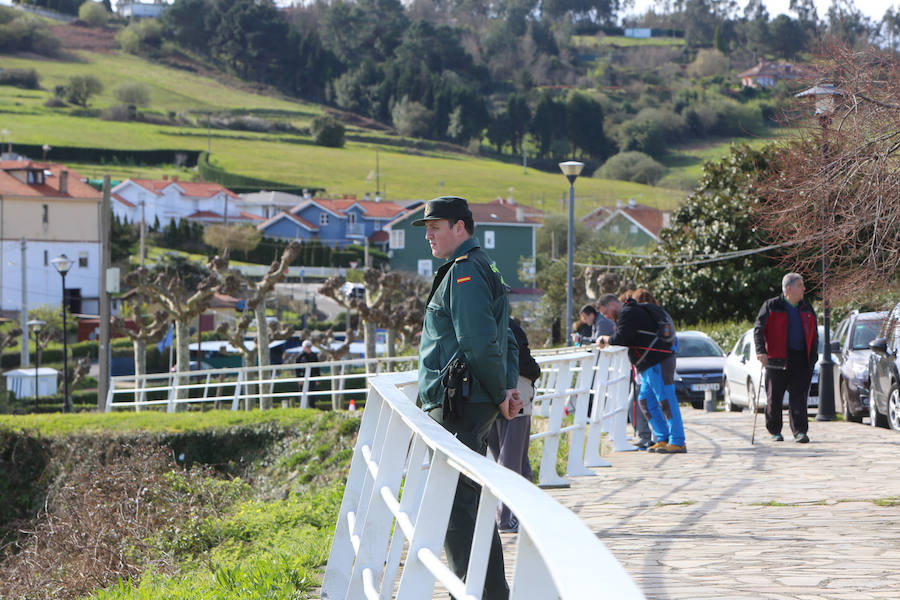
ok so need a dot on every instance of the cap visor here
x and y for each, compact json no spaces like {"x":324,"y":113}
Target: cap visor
{"x":421,"y":222}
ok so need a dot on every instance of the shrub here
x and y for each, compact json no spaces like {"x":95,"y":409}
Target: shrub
{"x":80,"y":89}
{"x":136,"y":94}
{"x":709,"y":62}
{"x":55,"y":102}
{"x":327,"y":131}
{"x":27,"y":33}
{"x":140,"y":37}
{"x":94,"y":14}
{"x":119,"y":112}
{"x":23,"y":78}
{"x":411,"y":118}
{"x":632,"y":166}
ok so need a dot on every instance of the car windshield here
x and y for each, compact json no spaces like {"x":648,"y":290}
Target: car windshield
{"x":863,"y":333}
{"x":696,"y":346}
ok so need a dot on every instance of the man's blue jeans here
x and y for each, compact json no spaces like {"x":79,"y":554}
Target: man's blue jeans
{"x":658,"y":396}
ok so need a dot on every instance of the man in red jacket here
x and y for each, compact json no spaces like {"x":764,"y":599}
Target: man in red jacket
{"x":787,"y":344}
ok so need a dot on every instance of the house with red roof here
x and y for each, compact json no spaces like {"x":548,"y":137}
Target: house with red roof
{"x":165,"y":199}
{"x":630,"y":225}
{"x":507,"y":232}
{"x":767,"y":74}
{"x":336,"y":222}
{"x":49,"y":210}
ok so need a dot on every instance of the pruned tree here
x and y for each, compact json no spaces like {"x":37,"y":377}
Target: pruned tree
{"x":150,"y":329}
{"x":833,"y":190}
{"x":182,"y":302}
{"x":226,"y":238}
{"x":256,"y":310}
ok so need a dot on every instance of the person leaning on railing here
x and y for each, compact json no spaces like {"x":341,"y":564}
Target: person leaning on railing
{"x":468,"y":365}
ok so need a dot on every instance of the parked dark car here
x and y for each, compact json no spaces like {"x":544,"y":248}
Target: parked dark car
{"x":698,"y":368}
{"x":884,"y":373}
{"x":853,"y":335}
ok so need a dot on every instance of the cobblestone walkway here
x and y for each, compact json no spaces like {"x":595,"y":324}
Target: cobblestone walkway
{"x":775,"y":520}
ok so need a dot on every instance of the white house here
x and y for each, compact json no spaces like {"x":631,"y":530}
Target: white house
{"x":46,"y":210}
{"x":166,"y":199}
{"x":267,"y":204}
{"x":141,"y":10}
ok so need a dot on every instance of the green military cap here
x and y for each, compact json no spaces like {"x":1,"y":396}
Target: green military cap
{"x":451,"y":208}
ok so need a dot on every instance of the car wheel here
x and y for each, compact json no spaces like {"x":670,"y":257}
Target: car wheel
{"x":751,"y":396}
{"x":894,"y":408}
{"x":730,"y":406}
{"x":845,"y":404}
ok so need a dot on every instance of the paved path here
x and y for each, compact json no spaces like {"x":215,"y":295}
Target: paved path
{"x":776,"y":520}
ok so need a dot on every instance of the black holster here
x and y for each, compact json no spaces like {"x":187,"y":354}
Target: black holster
{"x":457,"y":383}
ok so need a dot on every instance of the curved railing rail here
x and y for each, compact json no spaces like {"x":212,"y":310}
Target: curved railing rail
{"x":396,"y":505}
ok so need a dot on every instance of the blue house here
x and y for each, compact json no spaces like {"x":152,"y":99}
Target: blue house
{"x":335,"y":222}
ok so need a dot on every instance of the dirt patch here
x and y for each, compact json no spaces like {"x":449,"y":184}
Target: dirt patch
{"x":94,"y":39}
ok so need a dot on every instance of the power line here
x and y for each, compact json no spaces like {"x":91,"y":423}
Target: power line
{"x":706,"y":258}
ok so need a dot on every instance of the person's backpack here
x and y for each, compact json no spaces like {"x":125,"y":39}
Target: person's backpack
{"x":661,"y":340}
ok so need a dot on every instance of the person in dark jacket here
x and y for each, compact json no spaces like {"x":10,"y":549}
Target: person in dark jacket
{"x":637,"y":329}
{"x":308,"y":356}
{"x":786,"y":337}
{"x":467,"y":319}
{"x":508,"y":440}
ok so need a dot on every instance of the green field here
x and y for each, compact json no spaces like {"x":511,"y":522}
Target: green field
{"x":620,"y":41}
{"x":406,"y":171}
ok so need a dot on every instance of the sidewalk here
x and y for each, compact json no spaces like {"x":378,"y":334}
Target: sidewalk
{"x":776,"y":520}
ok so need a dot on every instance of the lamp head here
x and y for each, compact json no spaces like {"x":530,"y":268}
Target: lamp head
{"x":571,"y":169}
{"x":36,"y":325}
{"x":62,"y":264}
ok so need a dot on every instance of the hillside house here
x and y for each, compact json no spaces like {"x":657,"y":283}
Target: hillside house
{"x":507,"y":233}
{"x":768,"y":74}
{"x":335,"y":222}
{"x":630,"y":225}
{"x":48,"y":210}
{"x":141,"y":10}
{"x":167,"y":199}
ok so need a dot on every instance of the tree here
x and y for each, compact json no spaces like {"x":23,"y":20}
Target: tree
{"x":135,"y":94}
{"x":632,"y":166}
{"x":832,"y":193}
{"x":717,"y":218}
{"x":94,"y":14}
{"x":519,"y":115}
{"x":327,"y":131}
{"x":226,"y":238}
{"x":80,"y":89}
{"x":412,"y":119}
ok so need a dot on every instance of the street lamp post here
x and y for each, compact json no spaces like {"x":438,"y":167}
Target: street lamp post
{"x":571,"y":169}
{"x":62,"y":265}
{"x":824,"y":94}
{"x":35,"y":325}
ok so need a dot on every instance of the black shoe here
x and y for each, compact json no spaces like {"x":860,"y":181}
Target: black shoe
{"x":777,"y":437}
{"x":801,"y":438}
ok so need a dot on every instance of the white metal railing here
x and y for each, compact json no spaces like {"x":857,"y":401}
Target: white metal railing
{"x":396,"y":506}
{"x":246,"y":387}
{"x":593,"y":386}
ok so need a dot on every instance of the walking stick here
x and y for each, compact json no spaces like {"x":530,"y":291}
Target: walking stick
{"x":756,"y":404}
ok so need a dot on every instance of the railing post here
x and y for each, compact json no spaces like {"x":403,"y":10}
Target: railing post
{"x":582,"y":393}
{"x":548,"y":477}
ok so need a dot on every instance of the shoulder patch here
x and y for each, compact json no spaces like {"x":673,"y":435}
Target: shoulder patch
{"x":463,"y":279}
{"x":462,"y":258}
{"x":497,"y":271}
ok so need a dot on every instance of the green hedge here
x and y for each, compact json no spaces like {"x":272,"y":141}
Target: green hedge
{"x":242,"y":183}
{"x":187,"y":158}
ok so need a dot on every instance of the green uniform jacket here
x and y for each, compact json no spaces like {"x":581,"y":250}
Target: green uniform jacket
{"x":467,"y":314}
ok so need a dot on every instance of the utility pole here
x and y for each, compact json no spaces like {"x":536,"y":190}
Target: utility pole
{"x":377,"y":176}
{"x":103,"y":350}
{"x":23,"y":316}
{"x":143,"y":228}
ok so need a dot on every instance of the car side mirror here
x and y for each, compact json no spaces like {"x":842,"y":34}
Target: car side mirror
{"x":835,"y":347}
{"x":878,"y":345}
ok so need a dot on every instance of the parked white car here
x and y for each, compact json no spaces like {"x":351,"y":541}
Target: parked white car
{"x":743,"y":371}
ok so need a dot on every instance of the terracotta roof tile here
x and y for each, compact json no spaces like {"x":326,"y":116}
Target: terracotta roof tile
{"x":196,"y":189}
{"x":75,"y":187}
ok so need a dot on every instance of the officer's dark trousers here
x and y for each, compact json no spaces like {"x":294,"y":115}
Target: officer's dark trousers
{"x":795,"y":380}
{"x":471,"y":428}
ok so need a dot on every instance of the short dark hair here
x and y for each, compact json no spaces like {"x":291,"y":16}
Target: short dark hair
{"x":589,"y":309}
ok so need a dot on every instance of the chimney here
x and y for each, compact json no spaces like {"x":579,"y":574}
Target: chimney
{"x":520,"y":214}
{"x":64,"y":181}
{"x":174,"y":177}
{"x":165,"y":177}
{"x":632,"y":203}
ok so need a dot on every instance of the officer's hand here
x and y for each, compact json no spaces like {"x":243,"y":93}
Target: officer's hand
{"x":602,"y":341}
{"x":763,"y":358}
{"x":511,"y":405}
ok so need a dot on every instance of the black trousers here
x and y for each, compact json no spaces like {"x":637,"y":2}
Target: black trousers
{"x":795,"y":380}
{"x":472,"y":428}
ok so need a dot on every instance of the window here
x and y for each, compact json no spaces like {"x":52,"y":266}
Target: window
{"x":398,"y":239}
{"x":83,"y":260}
{"x":323,"y":219}
{"x":351,"y":218}
{"x":424,"y":268}
{"x":488,"y":239}
{"x":45,"y":213}
{"x":36,"y":177}
{"x":614,"y":228}
{"x":633,"y":229}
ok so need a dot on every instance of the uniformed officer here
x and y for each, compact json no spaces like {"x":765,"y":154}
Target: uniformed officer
{"x":467,"y":317}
